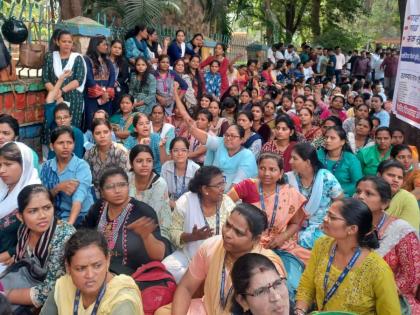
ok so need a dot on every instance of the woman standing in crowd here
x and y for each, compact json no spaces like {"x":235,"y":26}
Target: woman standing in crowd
{"x":193,"y":70}
{"x":362,"y":111}
{"x":41,"y":239}
{"x":100,"y":79}
{"x":130,"y":226}
{"x":199,"y":214}
{"x":211,"y":266}
{"x":370,"y":157}
{"x":74,"y":85}
{"x":360,"y":138}
{"x":309,"y":130}
{"x":135,"y":44}
{"x":178,"y":48}
{"x":317,"y":185}
{"x":399,"y":242}
{"x":403,"y":154}
{"x":266,"y":191}
{"x":143,"y":135}
{"x":68,"y":178}
{"x":227,"y":153}
{"x":107,"y":293}
{"x":252,"y":140}
{"x":149,"y":187}
{"x":337,"y":158}
{"x":122,"y":121}
{"x":253,"y":277}
{"x":143,"y":86}
{"x":218,"y":125}
{"x":345,"y":262}
{"x":179,"y":170}
{"x":165,"y":79}
{"x":258,"y":124}
{"x":16,"y":171}
{"x":284,"y":140}
{"x":121,"y":68}
{"x":403,"y":204}
{"x":104,"y":153}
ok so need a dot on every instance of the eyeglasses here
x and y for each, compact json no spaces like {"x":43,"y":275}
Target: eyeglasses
{"x":218,"y":185}
{"x":180,"y":151}
{"x":264,"y":291}
{"x":61,"y":118}
{"x":119,"y":185}
{"x":330,"y":217}
{"x":230,"y":136}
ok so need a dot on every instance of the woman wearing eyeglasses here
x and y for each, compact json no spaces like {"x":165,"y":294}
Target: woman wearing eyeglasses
{"x":130,"y":226}
{"x":259,"y":289}
{"x":344,"y":272}
{"x":178,"y":171}
{"x":199,"y":214}
{"x":227,"y":153}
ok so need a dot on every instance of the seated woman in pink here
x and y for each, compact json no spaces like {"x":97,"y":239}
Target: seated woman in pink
{"x":335,"y":109}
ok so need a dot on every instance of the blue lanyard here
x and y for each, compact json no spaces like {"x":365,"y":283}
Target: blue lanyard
{"x":217,"y":218}
{"x":223,"y":300}
{"x":276,"y":203}
{"x":381,"y":222}
{"x":342,"y":276}
{"x":178,"y":194}
{"x":97,"y":302}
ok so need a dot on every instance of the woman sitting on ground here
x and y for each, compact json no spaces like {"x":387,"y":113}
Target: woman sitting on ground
{"x":88,"y":286}
{"x":130,"y":226}
{"x":41,"y":239}
{"x":198,"y":215}
{"x":259,"y":289}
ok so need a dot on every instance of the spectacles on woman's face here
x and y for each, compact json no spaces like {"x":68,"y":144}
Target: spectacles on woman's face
{"x":265,"y":290}
{"x":330,"y":217}
{"x":114,"y":186}
{"x":220,"y":185}
{"x":231,"y":136}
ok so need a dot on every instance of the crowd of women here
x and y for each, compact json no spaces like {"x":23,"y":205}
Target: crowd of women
{"x":259,"y":190}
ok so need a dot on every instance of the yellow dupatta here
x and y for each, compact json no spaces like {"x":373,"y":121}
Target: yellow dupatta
{"x":212,"y":285}
{"x":119,"y":289}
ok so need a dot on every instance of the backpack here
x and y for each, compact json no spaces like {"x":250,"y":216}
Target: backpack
{"x":294,"y":268}
{"x":157,"y":286}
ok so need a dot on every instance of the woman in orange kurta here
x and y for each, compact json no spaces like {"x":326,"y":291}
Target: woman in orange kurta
{"x":282,"y":203}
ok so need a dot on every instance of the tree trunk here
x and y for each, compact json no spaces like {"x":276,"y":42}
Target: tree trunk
{"x":70,"y":9}
{"x":401,"y":7}
{"x":315,"y":23}
{"x":289,"y":14}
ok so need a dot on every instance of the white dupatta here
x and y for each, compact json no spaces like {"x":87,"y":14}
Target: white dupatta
{"x":29,"y":176}
{"x":58,"y":67}
{"x":314,"y":200}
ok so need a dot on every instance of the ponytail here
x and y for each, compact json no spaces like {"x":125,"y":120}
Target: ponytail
{"x":370,"y":240}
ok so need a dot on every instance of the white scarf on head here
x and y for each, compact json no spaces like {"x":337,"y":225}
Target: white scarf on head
{"x":29,"y":176}
{"x":58,"y":67}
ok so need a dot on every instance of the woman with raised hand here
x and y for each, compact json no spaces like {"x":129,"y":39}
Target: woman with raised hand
{"x":211,"y":266}
{"x":41,"y":239}
{"x":89,"y":286}
{"x":339,"y":160}
{"x":149,"y":187}
{"x":318,"y":185}
{"x":227,"y":153}
{"x":403,"y":204}
{"x":199,"y":214}
{"x":130,"y":226}
{"x":344,"y":272}
{"x":398,"y":242}
{"x":16,"y":171}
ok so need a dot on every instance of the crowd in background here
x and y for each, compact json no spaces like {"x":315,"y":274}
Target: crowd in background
{"x":274,"y":187}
